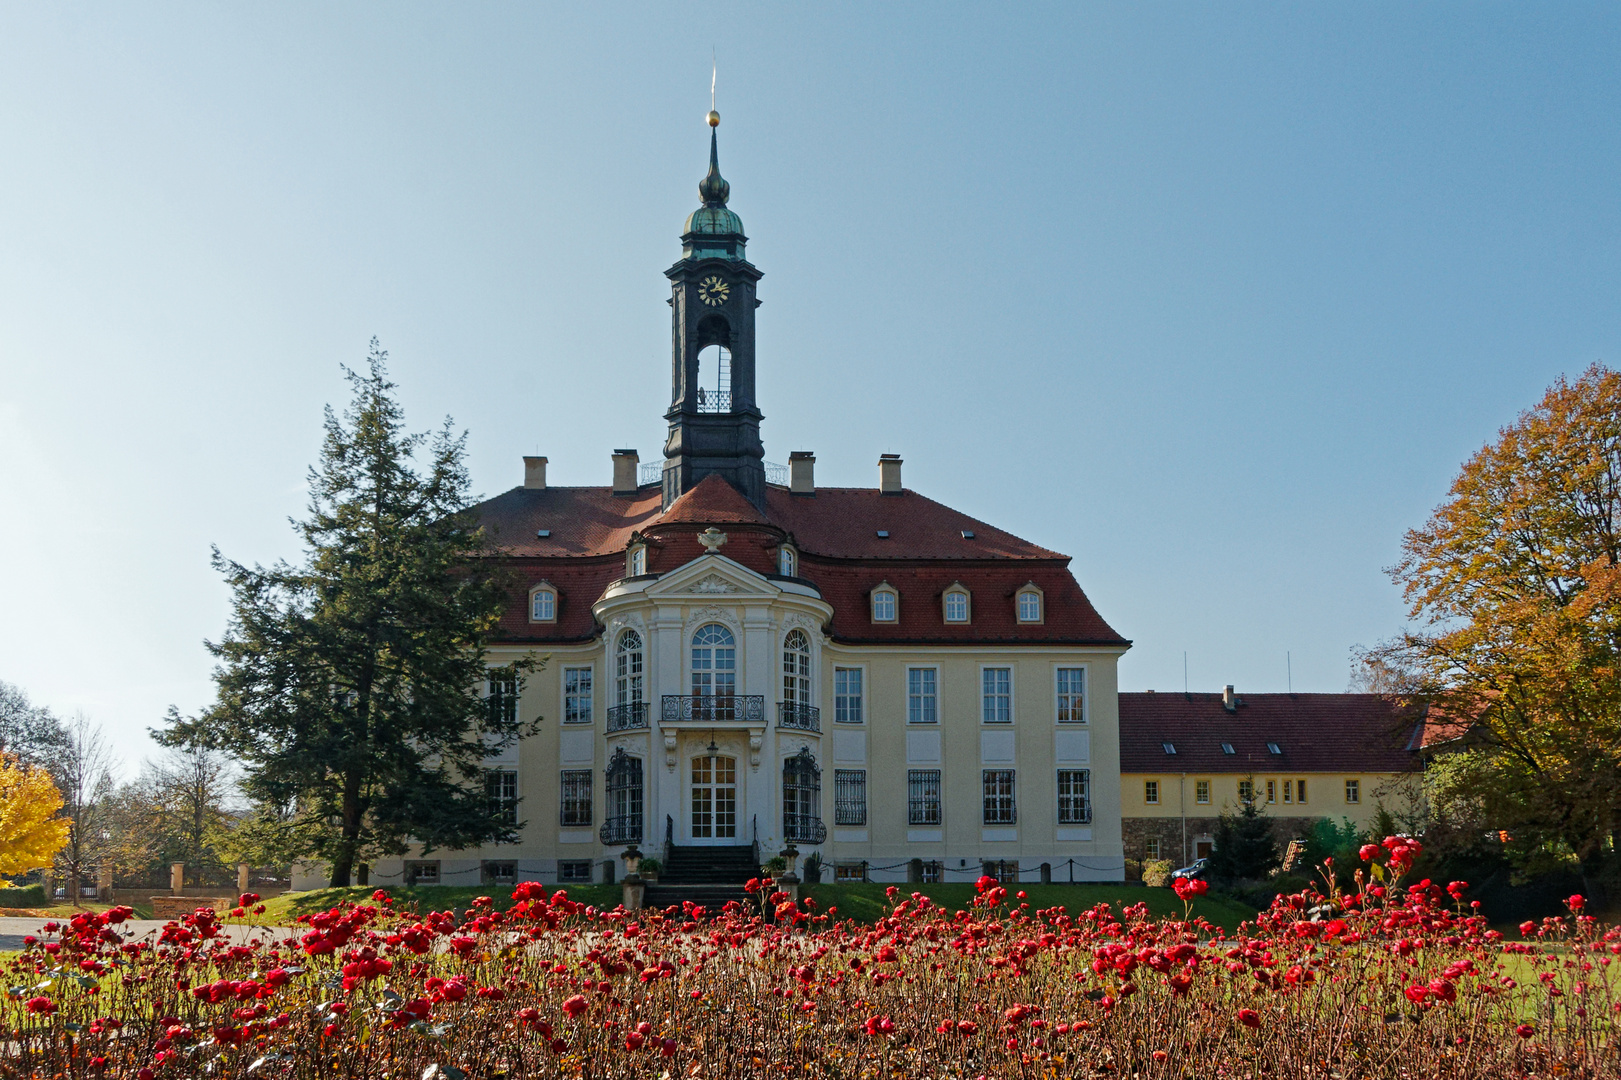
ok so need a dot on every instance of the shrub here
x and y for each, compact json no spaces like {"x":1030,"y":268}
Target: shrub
{"x":23,"y":896}
{"x":1157,"y":873}
{"x":650,"y":868}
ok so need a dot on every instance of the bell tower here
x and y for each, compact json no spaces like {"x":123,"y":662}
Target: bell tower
{"x":714,"y":424}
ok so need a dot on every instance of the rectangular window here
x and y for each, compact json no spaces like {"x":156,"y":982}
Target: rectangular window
{"x":1201,"y":791}
{"x":500,"y":873}
{"x":934,"y":871}
{"x":883,"y":607}
{"x":922,"y":703}
{"x":1246,"y":791}
{"x":638,"y":562}
{"x":1151,"y":791}
{"x":543,"y":606}
{"x":1071,"y":695}
{"x":575,"y":870}
{"x":998,"y":787}
{"x":1005,"y":871}
{"x":1074,"y":802}
{"x":850,"y":872}
{"x":502,"y":701}
{"x":1300,"y":791}
{"x":422,"y":873}
{"x":847,"y":695}
{"x":1151,"y":848}
{"x":785,"y":562}
{"x":956,"y":607}
{"x":1271,"y":791}
{"x":577,"y":695}
{"x":501,"y":786}
{"x":576,"y":797}
{"x":1353,"y":791}
{"x":997,"y":684}
{"x":1288,"y":791}
{"x":1029,"y":607}
{"x":849,"y":796}
{"x":923,"y":796}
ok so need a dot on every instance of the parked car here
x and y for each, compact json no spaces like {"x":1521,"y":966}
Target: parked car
{"x":1193,"y":873}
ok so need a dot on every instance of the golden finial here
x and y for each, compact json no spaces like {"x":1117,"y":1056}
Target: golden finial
{"x":714,"y":118}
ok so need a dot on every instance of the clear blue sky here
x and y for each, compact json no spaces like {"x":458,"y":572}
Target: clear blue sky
{"x":1215,"y":298}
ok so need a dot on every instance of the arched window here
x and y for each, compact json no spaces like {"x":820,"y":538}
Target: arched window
{"x":956,"y":604}
{"x":885,"y":603}
{"x":625,"y":800}
{"x":787,"y":562}
{"x":543,"y":603}
{"x":796,"y":679}
{"x":714,"y":673}
{"x":802,"y":800}
{"x":1029,"y":604}
{"x":714,"y":392}
{"x":628,"y":669}
{"x":636,"y":563}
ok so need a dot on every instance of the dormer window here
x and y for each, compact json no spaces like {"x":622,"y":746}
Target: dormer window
{"x":1028,"y":604}
{"x":956,"y":604}
{"x":885,"y":604}
{"x":543,"y":603}
{"x":787,"y":562}
{"x":636,"y":564}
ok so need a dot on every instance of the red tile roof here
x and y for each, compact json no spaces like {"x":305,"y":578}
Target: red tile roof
{"x":1316,"y":732}
{"x":836,"y":533}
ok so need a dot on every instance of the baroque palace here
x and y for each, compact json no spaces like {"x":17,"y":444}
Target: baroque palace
{"x":742,"y":663}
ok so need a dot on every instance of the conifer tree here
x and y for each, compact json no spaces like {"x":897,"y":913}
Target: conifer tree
{"x":1244,"y":848}
{"x":351,"y":686}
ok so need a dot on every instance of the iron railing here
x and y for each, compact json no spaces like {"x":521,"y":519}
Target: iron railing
{"x":650,"y":472}
{"x":716,"y":401}
{"x":798,"y":716}
{"x":1078,"y":815}
{"x":625,"y":717}
{"x":803,"y":829}
{"x":706,"y":709}
{"x":624,"y":829}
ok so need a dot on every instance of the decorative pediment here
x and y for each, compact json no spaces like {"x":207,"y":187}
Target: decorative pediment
{"x":711,"y":576}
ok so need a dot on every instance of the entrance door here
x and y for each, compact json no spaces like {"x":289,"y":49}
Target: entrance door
{"x":714,"y":800}
{"x":1202,"y":849}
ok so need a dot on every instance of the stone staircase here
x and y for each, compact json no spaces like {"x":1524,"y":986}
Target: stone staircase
{"x":708,"y":876}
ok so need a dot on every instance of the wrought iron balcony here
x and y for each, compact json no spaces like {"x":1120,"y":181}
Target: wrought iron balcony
{"x":717,"y":709}
{"x":625,"y":717}
{"x":799,"y":717}
{"x":803,"y":829}
{"x":625,"y":829}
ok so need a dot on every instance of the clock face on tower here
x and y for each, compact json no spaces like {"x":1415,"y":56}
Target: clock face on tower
{"x":713,"y":291}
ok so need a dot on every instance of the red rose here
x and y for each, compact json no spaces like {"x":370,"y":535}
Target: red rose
{"x":1249,"y":1018}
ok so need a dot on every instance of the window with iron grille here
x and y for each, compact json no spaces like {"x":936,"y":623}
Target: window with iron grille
{"x":504,"y":872}
{"x":922,"y":702}
{"x":847,"y":695}
{"x":998,"y":785}
{"x":1071,"y":695}
{"x":625,"y":791}
{"x":850,"y":872}
{"x":574,"y":870}
{"x":422,"y":873}
{"x":934,"y":871}
{"x":576,"y":797}
{"x":849,"y":796}
{"x":923,"y":796}
{"x":996,"y":683}
{"x":801,"y":791}
{"x":501,"y":786}
{"x":1005,"y":871}
{"x":1074,"y":801}
{"x":502,"y":701}
{"x":577,"y":695}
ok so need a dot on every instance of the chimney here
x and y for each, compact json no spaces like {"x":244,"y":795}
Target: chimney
{"x":801,"y":470}
{"x":625,"y":462}
{"x":1228,"y":700}
{"x":534,"y":473}
{"x":889,"y":474}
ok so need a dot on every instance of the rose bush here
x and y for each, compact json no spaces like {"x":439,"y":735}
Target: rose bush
{"x":1388,"y":980}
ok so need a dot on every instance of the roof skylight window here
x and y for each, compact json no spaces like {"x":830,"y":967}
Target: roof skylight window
{"x":544,"y":533}
{"x":968,"y":534}
{"x":1227,"y":748}
{"x":883,"y":534}
{"x":1274,"y":748}
{"x":1170,"y":748}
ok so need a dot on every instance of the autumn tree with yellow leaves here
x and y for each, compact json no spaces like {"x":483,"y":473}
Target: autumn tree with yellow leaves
{"x":30,"y":832}
{"x":1515,"y":586}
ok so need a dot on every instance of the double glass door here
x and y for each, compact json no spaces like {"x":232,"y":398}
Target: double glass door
{"x":714,"y":799}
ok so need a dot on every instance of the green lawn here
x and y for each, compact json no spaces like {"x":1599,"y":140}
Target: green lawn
{"x":283,"y":908}
{"x":867,"y":902}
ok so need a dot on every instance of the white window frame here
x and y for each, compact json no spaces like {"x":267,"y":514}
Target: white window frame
{"x":1353,"y":791}
{"x":999,"y":796}
{"x":591,"y":707}
{"x":923,"y":812}
{"x":860,"y":672}
{"x":630,"y":668}
{"x":1151,"y":792}
{"x":636,"y":561}
{"x":501,"y":779}
{"x":572,"y":779}
{"x":799,"y":684}
{"x":1300,"y":792}
{"x":985,"y":695}
{"x":1059,"y":696}
{"x":787,"y":561}
{"x":1201,"y":792}
{"x":1068,"y":800}
{"x":536,"y":591}
{"x":1034,"y":591}
{"x":933,"y":696}
{"x":957,"y":589}
{"x":885,"y":589}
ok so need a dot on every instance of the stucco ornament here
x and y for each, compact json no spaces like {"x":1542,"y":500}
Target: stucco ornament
{"x":714,"y":583}
{"x":712,"y":539}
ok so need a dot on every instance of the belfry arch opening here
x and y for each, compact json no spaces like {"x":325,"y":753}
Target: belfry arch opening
{"x":714,"y":379}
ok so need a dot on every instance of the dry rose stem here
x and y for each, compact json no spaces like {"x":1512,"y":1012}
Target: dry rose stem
{"x":1393,"y":980}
